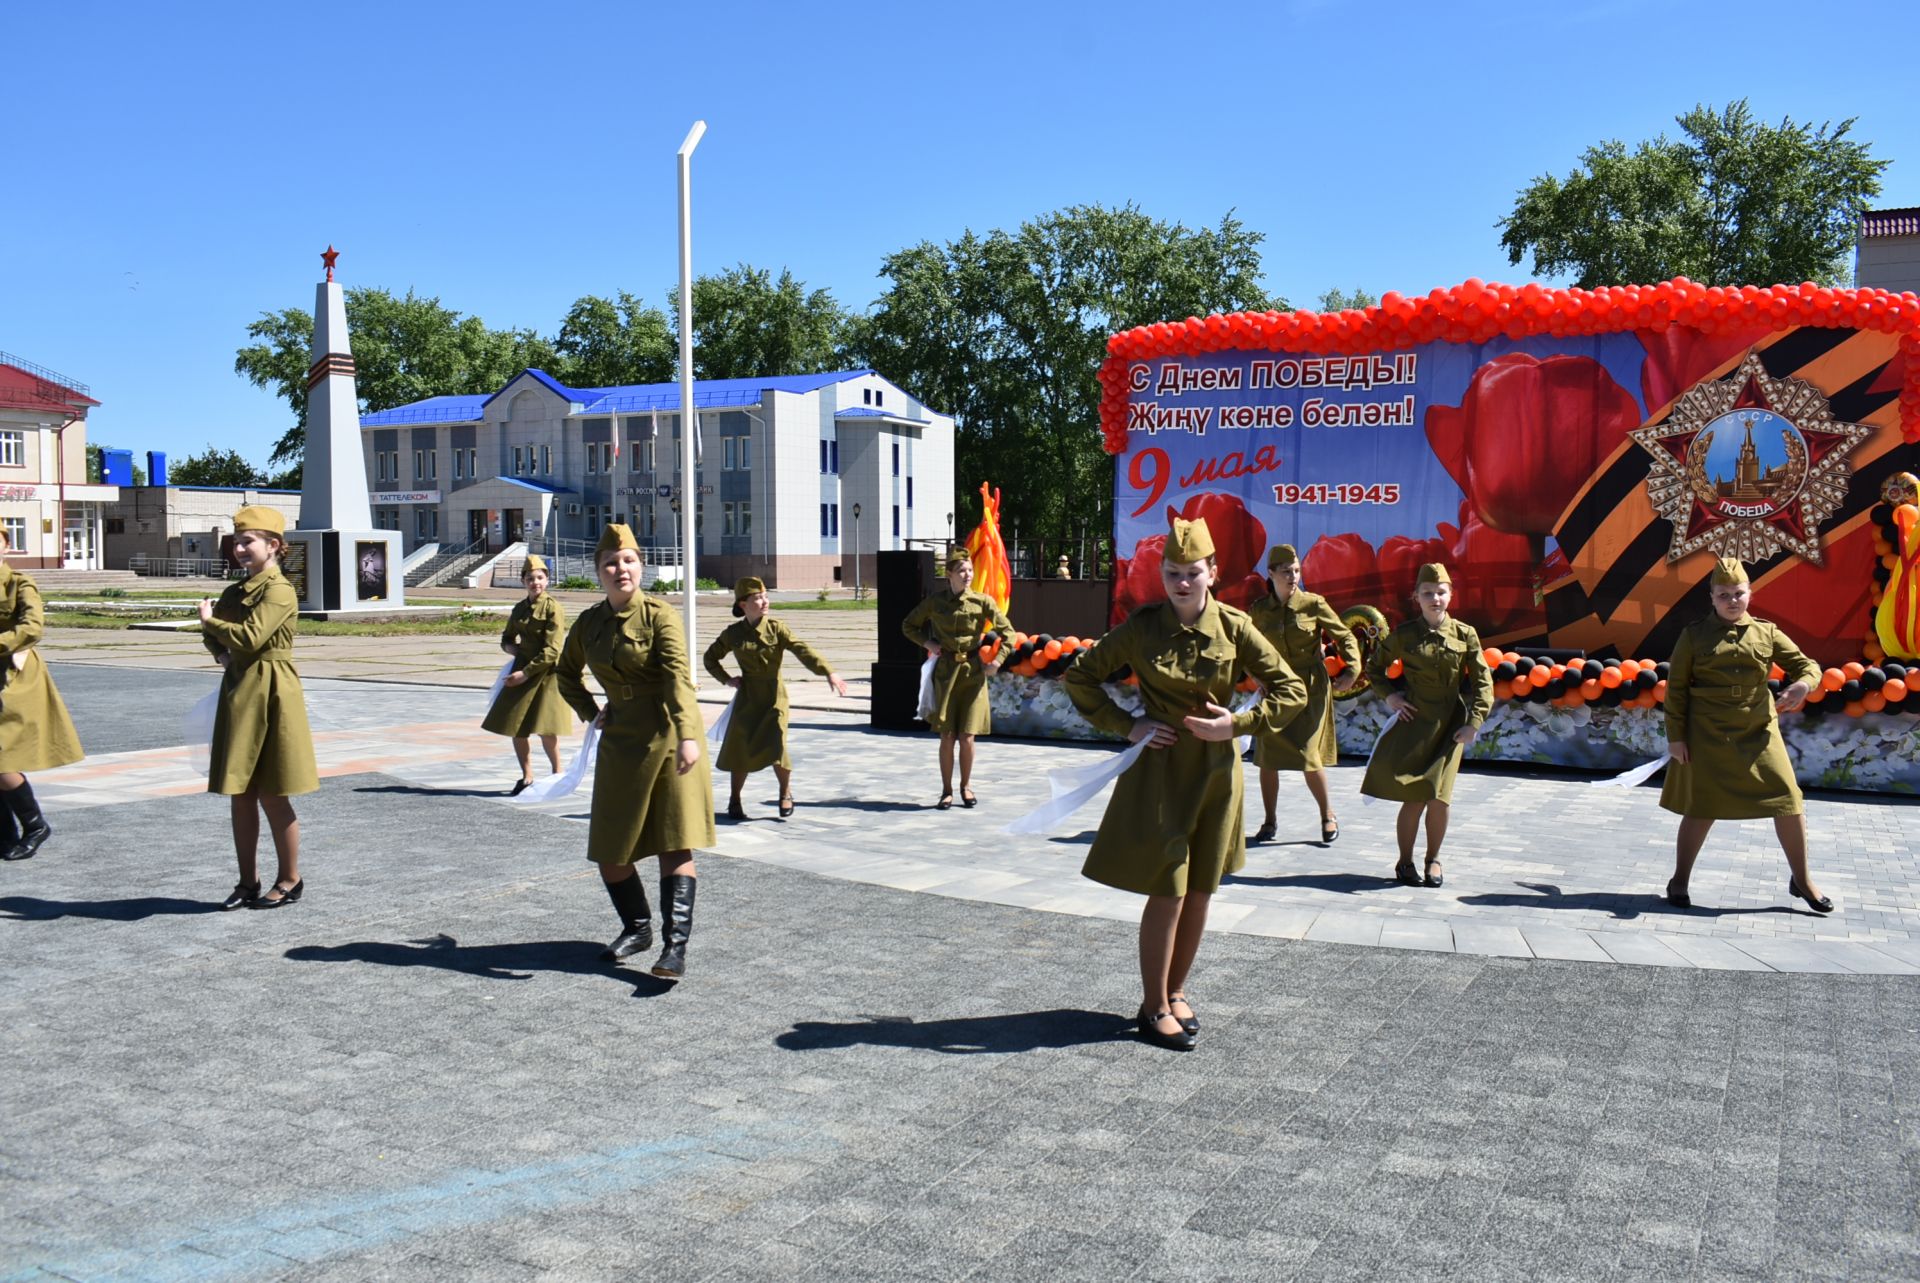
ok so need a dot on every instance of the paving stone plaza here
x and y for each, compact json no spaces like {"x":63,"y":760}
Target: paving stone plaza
{"x":903,"y":1048}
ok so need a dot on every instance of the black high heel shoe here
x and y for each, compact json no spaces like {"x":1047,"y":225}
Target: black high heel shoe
{"x":1678,"y":899}
{"x":244,"y":894}
{"x":1821,"y":905}
{"x":786,"y":806}
{"x":1436,"y":876}
{"x":1150,"y":1030}
{"x":1192,"y":1023}
{"x":280,"y":896}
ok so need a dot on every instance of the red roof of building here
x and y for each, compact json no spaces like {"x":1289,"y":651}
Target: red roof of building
{"x":26,"y":386}
{"x":1891,"y":222}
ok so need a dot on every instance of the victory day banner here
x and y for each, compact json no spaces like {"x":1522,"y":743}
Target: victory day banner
{"x":1577,"y":459}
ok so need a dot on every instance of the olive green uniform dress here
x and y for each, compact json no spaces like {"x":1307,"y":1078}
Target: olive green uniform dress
{"x":534,"y":708}
{"x":757,"y":731}
{"x":1308,"y":742}
{"x":641,"y":805}
{"x":1446,"y":677}
{"x":1719,"y":706}
{"x":1174,"y":822}
{"x":261,"y":740}
{"x":956,"y":625}
{"x":36,"y":734}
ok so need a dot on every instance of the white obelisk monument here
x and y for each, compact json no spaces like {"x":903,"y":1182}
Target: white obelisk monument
{"x":338,"y":562}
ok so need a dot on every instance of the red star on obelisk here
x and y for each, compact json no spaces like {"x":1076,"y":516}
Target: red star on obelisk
{"x":328,"y":257}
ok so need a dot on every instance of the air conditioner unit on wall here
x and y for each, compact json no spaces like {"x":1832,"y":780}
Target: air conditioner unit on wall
{"x":573,"y":510}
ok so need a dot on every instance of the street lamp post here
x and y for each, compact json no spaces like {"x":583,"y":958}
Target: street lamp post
{"x":689,"y":417}
{"x":856,"y":552}
{"x":949,"y":534}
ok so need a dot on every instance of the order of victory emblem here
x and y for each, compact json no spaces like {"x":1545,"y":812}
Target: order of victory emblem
{"x":1749,"y":465}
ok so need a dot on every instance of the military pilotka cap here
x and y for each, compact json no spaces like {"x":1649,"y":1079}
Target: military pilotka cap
{"x":1727,"y":571}
{"x":1433,"y":573}
{"x":748,"y":587}
{"x":1188,"y":542}
{"x":1282,"y":556}
{"x":534,"y":562}
{"x":957,"y":558}
{"x":615,"y":538}
{"x":268,"y":521}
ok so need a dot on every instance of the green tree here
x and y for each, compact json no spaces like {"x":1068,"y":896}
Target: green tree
{"x":747,"y":324}
{"x":1006,"y":332}
{"x":609,"y":342}
{"x":215,"y":466}
{"x":1334,"y":301}
{"x":404,"y":349}
{"x":1735,"y":202}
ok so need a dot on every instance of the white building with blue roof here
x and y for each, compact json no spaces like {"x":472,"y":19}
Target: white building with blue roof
{"x":785,"y":461}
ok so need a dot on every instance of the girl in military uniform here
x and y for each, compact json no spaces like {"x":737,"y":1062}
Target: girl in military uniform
{"x":1292,"y":620}
{"x":529,"y":703}
{"x":950,"y":624}
{"x":1173,"y":827}
{"x":262,"y":747}
{"x":757,"y":730}
{"x":1442,"y":696}
{"x":35,"y":732}
{"x":1723,"y":733}
{"x":652,"y":788}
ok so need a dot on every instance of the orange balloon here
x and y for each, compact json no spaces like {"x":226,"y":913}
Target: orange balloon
{"x":1891,"y":561}
{"x":1509,"y":656}
{"x":1492,"y":656}
{"x":1335,"y":665}
{"x":1503,"y":690}
{"x":1660,"y":690}
{"x":1853,"y":668}
{"x":1873,"y":701}
{"x":1832,"y":679}
{"x":1396,"y":668}
{"x":1609,"y":677}
{"x":1557,"y":672}
{"x":1540,"y":676}
{"x":1895,"y":689}
{"x":1053,"y":649}
{"x":1817,"y":694}
{"x":1776,"y":672}
{"x":1856,"y":709}
{"x":1591,"y":688}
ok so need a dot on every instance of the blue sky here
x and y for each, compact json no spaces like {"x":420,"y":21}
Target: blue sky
{"x":176,"y":169}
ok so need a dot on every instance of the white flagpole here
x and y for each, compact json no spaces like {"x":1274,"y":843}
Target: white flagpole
{"x":689,"y":417}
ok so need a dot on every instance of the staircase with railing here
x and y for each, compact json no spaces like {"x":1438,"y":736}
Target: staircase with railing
{"x":447,"y":564}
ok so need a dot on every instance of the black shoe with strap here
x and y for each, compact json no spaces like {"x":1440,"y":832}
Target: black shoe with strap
{"x":243,"y":896}
{"x":786,"y":805}
{"x":1819,"y":904}
{"x":279,"y":897}
{"x":1191,"y":1021}
{"x":1678,"y":898}
{"x":1149,"y":1022}
{"x":1436,"y":876}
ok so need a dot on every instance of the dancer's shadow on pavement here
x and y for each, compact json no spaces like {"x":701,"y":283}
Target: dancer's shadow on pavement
{"x":965,"y":1036}
{"x":420,"y":790}
{"x":1623,"y":905}
{"x":869,"y":804}
{"x":26,"y":908}
{"x":1343,"y":883}
{"x":516,"y":961}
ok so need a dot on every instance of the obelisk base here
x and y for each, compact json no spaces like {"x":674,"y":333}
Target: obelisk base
{"x":341,"y":571}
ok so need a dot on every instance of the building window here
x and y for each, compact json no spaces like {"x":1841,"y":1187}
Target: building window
{"x":836,"y":456}
{"x":593,"y":459}
{"x":746,"y":517}
{"x":16,"y":528}
{"x":823,"y":456}
{"x":896,"y":458}
{"x":433,"y":465}
{"x":833,"y":510}
{"x":726,"y":517}
{"x":459,"y":464}
{"x":653,"y":521}
{"x":652,"y":461}
{"x":879,"y":397}
{"x":823,"y":521}
{"x":633,"y":455}
{"x":746,"y":453}
{"x":866,"y":396}
{"x":13,"y":451}
{"x":896,"y":521}
{"x":473,"y":462}
{"x":518,"y":464}
{"x":606,"y":457}
{"x":732,"y":454}
{"x":909,"y":492}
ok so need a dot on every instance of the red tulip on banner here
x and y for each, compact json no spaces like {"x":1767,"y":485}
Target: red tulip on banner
{"x":1495,"y":578}
{"x":1679,"y":357}
{"x":1528,"y":434}
{"x":1136,"y":579}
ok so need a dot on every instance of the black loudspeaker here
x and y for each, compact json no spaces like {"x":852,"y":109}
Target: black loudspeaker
{"x":896,"y":697}
{"x":901,"y":581}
